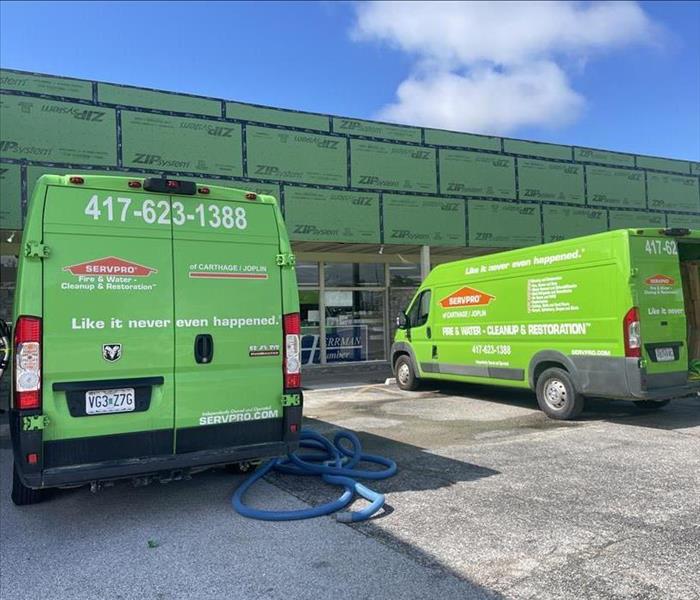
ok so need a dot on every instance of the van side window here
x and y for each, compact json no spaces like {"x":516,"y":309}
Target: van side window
{"x":420,"y":309}
{"x":424,"y":309}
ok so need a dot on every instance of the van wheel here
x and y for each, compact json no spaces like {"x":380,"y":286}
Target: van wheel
{"x":406,"y":377}
{"x":650,"y":404}
{"x":557,"y":396}
{"x":21,"y":494}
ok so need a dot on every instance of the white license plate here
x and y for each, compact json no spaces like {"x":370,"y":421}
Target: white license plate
{"x":665,"y":354}
{"x":110,"y":401}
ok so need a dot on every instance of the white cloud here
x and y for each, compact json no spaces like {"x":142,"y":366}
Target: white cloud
{"x":487,"y":101}
{"x":492,"y":67}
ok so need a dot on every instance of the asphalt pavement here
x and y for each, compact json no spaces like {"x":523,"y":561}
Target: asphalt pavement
{"x":493,"y":500}
{"x":183,"y":540}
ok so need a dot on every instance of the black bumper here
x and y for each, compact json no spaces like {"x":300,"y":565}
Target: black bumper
{"x":122,"y":469}
{"x":669,"y":393}
{"x":624,"y":379}
{"x":142,"y":454}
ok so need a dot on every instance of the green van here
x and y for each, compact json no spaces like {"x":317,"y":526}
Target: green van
{"x":611,"y":315}
{"x":156,"y":332}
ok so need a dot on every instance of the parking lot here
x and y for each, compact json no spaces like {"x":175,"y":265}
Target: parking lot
{"x":492,"y":500}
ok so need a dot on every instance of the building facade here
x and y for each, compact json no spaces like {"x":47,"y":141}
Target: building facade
{"x":367,"y":204}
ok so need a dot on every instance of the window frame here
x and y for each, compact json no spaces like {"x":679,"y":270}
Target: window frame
{"x":416,"y":305}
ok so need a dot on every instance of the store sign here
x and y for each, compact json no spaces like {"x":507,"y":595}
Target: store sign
{"x":343,"y":344}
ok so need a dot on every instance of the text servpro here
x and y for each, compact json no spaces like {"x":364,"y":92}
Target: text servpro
{"x":236,"y":416}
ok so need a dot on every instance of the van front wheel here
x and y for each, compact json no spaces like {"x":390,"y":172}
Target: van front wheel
{"x":557,"y":395}
{"x":21,"y":494}
{"x":406,"y":377}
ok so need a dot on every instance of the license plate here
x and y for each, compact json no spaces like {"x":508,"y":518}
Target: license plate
{"x":665,"y":354}
{"x":109,"y":401}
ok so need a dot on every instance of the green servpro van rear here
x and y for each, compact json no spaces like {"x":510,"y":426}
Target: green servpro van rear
{"x":156,"y":332}
{"x":611,"y":315}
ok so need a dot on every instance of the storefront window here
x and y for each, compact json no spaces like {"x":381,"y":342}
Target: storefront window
{"x":310,"y":326}
{"x":404,"y":276}
{"x":8,"y":275}
{"x":307,"y":274}
{"x":354,"y":275}
{"x":354,"y":325}
{"x":341,"y":319}
{"x":404,"y":280}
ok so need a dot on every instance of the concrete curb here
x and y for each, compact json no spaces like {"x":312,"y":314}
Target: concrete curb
{"x":349,"y":387}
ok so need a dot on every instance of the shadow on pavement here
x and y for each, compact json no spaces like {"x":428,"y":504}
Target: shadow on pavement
{"x":418,"y":470}
{"x":679,"y":414}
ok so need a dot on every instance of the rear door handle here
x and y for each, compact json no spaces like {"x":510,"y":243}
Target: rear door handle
{"x":428,"y":332}
{"x":203,"y":348}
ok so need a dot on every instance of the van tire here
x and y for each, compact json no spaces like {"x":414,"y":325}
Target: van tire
{"x":21,"y":494}
{"x":557,"y":396}
{"x":650,"y":404}
{"x":406,"y":377}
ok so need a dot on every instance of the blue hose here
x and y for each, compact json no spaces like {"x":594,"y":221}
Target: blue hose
{"x":336,"y":465}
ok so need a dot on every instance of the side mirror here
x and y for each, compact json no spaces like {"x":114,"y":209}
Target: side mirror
{"x":402,"y":321}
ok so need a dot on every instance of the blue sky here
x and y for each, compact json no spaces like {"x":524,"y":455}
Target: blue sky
{"x":622,"y":76}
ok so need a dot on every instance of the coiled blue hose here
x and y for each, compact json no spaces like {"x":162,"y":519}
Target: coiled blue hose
{"x":336,"y":465}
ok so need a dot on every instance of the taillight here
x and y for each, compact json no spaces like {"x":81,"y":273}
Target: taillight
{"x":292,"y":350}
{"x":632,"y":333}
{"x":27,"y":351}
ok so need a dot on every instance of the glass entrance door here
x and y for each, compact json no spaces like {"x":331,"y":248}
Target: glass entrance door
{"x":354,"y":325}
{"x":343,"y":312}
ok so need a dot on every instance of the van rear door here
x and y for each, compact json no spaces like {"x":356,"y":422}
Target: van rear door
{"x":659,"y":294}
{"x":108,"y":356}
{"x":228,"y":317}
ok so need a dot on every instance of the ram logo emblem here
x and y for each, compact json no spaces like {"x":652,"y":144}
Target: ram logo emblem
{"x":111,"y":352}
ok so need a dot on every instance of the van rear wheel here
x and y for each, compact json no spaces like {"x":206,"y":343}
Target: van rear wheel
{"x":21,"y":494}
{"x":650,"y":404}
{"x":406,"y":377}
{"x":557,"y":396}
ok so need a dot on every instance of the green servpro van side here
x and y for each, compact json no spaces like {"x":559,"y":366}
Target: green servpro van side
{"x":602,"y":315}
{"x":156,"y":332}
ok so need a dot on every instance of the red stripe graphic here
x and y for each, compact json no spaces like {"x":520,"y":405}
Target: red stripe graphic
{"x":204,"y":275}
